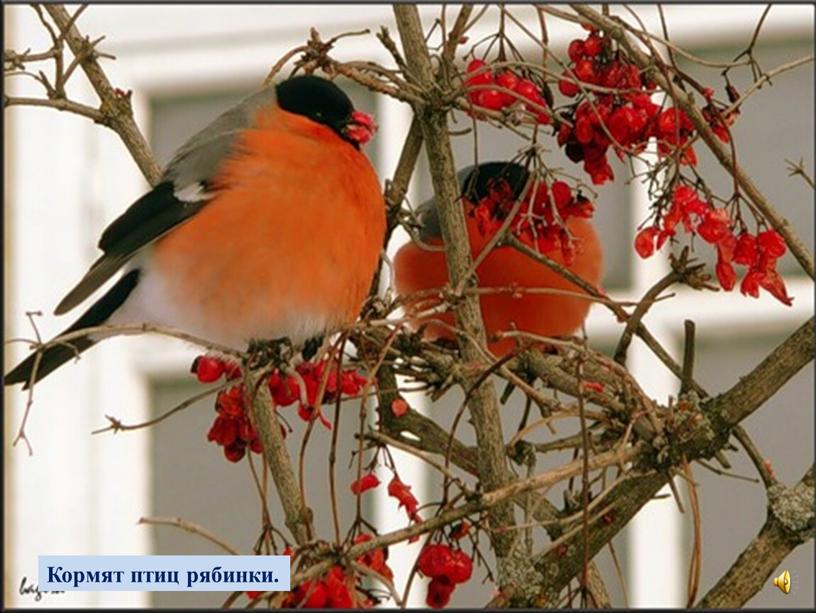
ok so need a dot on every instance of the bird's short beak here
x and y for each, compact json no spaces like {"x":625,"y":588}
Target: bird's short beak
{"x":361,"y":128}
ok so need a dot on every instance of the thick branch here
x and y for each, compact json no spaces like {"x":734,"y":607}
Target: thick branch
{"x":629,"y":497}
{"x":765,"y":380}
{"x":777,"y":538}
{"x":483,"y":401}
{"x":298,"y":515}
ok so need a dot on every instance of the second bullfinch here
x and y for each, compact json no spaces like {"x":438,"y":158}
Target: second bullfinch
{"x":266,"y":224}
{"x":417,"y":268}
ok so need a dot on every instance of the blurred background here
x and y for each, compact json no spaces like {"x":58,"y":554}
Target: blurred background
{"x":66,"y":179}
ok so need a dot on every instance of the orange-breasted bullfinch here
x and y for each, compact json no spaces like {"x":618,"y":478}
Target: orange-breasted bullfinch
{"x":417,"y":268}
{"x":266,"y":224}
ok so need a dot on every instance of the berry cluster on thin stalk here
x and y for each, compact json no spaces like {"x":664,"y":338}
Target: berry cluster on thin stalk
{"x":611,"y":104}
{"x":232,"y":428}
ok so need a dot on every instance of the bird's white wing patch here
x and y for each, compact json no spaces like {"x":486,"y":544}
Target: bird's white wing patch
{"x":194,"y":192}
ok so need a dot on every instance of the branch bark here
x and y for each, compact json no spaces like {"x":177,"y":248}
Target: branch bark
{"x":298,"y":515}
{"x":483,"y":403}
{"x":777,"y":538}
{"x":631,"y":494}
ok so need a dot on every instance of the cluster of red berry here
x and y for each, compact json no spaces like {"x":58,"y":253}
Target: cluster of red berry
{"x":285,"y":389}
{"x":483,"y":91}
{"x":232,"y":428}
{"x":540,"y":220}
{"x":376,"y":559}
{"x":446,"y":567}
{"x":760,"y":253}
{"x":332,"y":591}
{"x":625,"y":119}
{"x":336,"y":589}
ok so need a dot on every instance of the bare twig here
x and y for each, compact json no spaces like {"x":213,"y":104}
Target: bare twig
{"x":191,"y":527}
{"x":116,"y":109}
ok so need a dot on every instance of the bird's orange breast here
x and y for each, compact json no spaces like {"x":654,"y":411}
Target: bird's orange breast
{"x":290,"y":242}
{"x":419,"y":269}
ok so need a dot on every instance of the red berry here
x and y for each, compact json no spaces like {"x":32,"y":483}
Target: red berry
{"x":439,"y":592}
{"x":434,"y":560}
{"x":568,"y":87}
{"x":483,"y":78}
{"x":224,"y":431}
{"x":399,"y":407}
{"x":593,"y":45}
{"x":508,"y":80}
{"x":246,"y":432}
{"x":318,"y":595}
{"x":235,"y":451}
{"x":745,"y":252}
{"x":575,"y":51}
{"x":460,"y":568}
{"x":584,"y":131}
{"x":562,"y":194}
{"x":208,"y":368}
{"x":622,"y":124}
{"x":750,"y":284}
{"x":726,"y":275}
{"x":667,"y":122}
{"x":230,"y":402}
{"x":527,"y":89}
{"x":490,"y":99}
{"x":771,"y":244}
{"x":585,"y":71}
{"x":337,"y":591}
{"x":726,"y":247}
{"x":716,"y":226}
{"x":284,"y":389}
{"x":475,"y":65}
{"x":365,"y":483}
{"x":397,"y":489}
{"x":645,"y":241}
{"x":774,"y":285}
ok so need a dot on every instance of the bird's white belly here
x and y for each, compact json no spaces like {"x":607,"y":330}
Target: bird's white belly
{"x":152,"y":301}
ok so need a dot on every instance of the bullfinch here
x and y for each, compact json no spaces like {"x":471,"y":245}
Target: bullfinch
{"x":268,"y":223}
{"x":418,"y":268}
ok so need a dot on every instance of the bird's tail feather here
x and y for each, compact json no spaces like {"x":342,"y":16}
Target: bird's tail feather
{"x":55,"y":356}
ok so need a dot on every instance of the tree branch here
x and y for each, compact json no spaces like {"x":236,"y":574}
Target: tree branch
{"x":712,"y":434}
{"x":777,"y":538}
{"x":483,"y":405}
{"x":298,"y":515}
